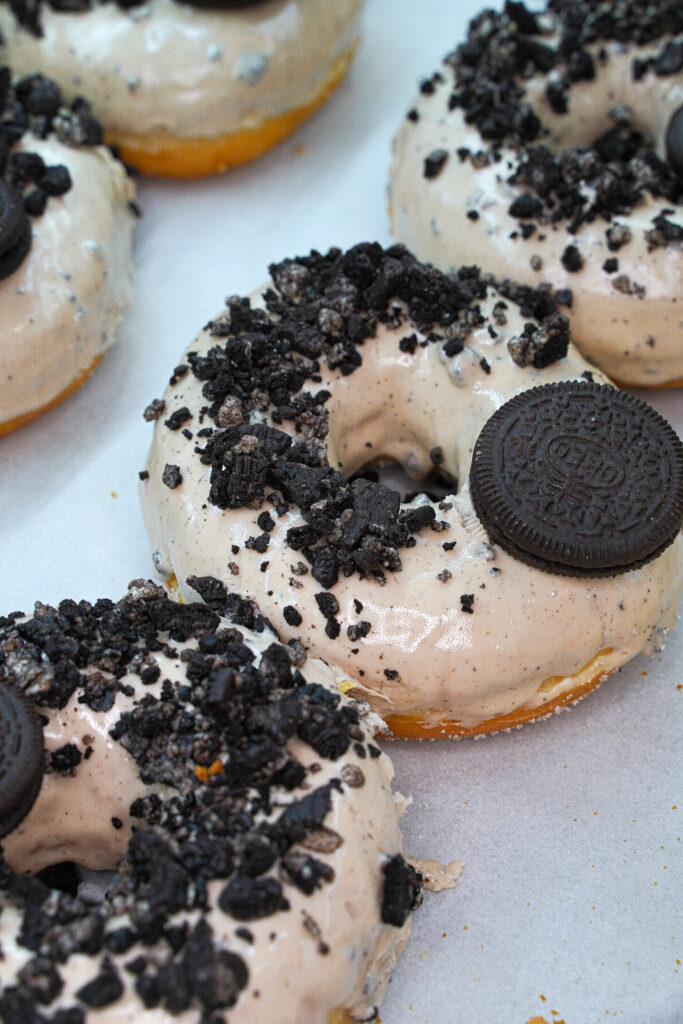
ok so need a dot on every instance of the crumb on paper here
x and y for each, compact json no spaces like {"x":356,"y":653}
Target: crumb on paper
{"x":402,"y":804}
{"x":437,"y":877}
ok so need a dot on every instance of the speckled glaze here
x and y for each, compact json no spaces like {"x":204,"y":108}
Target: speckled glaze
{"x":530,"y":632}
{"x":637,"y":338}
{"x":168,"y":68}
{"x":62,"y":306}
{"x":289,"y":981}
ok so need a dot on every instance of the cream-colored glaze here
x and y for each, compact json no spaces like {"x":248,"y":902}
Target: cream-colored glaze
{"x":289,"y":980}
{"x":636,"y":338}
{"x":71,"y":819}
{"x":527,"y":625}
{"x":61,"y":307}
{"x":166,"y":67}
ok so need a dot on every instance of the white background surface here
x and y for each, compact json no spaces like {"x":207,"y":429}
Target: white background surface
{"x":569,"y":906}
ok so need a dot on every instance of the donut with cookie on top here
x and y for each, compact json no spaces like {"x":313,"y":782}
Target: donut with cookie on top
{"x":438,"y":607}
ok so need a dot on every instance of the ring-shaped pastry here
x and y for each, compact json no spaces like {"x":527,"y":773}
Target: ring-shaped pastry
{"x":547,"y":149}
{"x":352,"y":357}
{"x":239,"y":803}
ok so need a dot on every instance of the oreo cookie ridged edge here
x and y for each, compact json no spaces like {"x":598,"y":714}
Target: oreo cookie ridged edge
{"x":15,"y":230}
{"x":21,"y":757}
{"x":578,"y":479}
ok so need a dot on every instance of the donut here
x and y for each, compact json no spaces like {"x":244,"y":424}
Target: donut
{"x":66,"y":220}
{"x":549,"y":148}
{"x":255,"y":478}
{"x":237,"y":802}
{"x":189,"y":89}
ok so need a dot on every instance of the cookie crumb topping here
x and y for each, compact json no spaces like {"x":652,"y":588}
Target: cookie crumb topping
{"x":609,"y":175}
{"x":34,"y":105}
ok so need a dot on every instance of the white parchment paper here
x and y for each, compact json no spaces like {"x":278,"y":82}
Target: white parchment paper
{"x":569,"y":905}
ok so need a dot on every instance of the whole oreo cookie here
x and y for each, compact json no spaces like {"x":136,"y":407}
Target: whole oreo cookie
{"x":579,"y":479}
{"x":15,"y":230}
{"x":21,"y":757}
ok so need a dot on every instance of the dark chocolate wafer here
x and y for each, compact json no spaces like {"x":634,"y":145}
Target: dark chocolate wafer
{"x":15,"y":230}
{"x":579,"y":478}
{"x":674,"y":141}
{"x":21,"y":757}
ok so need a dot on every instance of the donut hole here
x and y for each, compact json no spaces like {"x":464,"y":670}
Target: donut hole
{"x":64,"y":876}
{"x":437,"y":483}
{"x":605,"y":173}
{"x":72,"y":878}
{"x":593,"y":109}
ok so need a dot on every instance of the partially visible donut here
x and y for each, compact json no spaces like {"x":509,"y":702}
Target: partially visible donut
{"x":352,"y":357}
{"x":189,"y":89}
{"x":242,"y":802}
{"x":549,"y":148}
{"x":65,"y":247}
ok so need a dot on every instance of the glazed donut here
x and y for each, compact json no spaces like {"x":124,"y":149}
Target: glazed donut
{"x":242,"y":805}
{"x":65,"y":247}
{"x":189,"y":89}
{"x":549,"y":148}
{"x":352,"y":357}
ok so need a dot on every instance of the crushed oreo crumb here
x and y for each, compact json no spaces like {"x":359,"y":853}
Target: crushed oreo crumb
{"x":435,"y":163}
{"x":171,"y":476}
{"x":291,"y":616}
{"x":541,"y":346}
{"x":571,"y":259}
{"x":402,"y":891}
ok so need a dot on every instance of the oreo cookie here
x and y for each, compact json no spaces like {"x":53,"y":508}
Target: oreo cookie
{"x":15,"y":230}
{"x":579,"y":479}
{"x":674,"y":141}
{"x":21,"y":757}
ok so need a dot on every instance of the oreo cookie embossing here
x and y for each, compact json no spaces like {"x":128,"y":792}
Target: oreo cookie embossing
{"x":572,"y":458}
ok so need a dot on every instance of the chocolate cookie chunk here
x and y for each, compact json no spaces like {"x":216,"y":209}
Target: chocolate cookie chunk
{"x":579,"y":478}
{"x":15,"y":230}
{"x":21,"y":757}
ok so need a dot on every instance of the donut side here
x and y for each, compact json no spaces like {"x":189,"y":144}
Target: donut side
{"x":263,"y":874}
{"x":195,"y":157}
{"x":186,"y":91}
{"x":565,"y":181}
{"x":251,"y":479}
